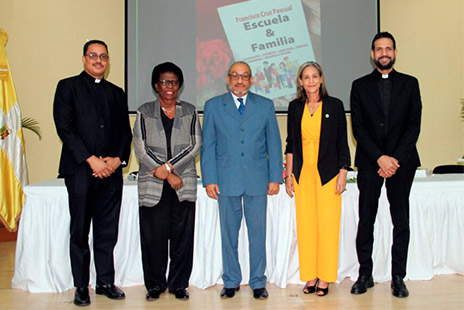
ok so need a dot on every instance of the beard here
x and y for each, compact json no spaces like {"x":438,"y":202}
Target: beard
{"x":387,"y":66}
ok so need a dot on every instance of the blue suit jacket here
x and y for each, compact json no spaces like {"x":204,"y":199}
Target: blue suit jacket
{"x":241,"y":153}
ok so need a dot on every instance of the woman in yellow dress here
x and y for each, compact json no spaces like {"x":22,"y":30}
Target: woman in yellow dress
{"x":318,"y":159}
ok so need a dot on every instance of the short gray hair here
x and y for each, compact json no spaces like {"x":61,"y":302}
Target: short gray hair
{"x":239,"y":62}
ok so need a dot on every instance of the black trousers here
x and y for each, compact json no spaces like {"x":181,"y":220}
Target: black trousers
{"x":98,"y":201}
{"x":398,"y":188}
{"x":167,"y":229}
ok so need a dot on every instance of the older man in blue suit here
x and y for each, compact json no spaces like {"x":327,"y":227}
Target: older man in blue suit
{"x":241,"y":163}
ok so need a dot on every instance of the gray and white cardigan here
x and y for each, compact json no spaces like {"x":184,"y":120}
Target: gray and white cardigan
{"x":150,"y":150}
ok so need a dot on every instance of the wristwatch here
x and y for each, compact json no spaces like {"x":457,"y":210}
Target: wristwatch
{"x":167,"y":167}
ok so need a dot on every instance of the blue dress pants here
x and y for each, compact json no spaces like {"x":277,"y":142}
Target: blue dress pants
{"x":231,"y":209}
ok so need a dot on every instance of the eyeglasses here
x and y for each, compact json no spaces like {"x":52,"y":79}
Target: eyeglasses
{"x":173,"y":83}
{"x":94,"y":56}
{"x":235,"y":76}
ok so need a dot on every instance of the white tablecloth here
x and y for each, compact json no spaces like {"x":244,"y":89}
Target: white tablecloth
{"x":436,"y":217}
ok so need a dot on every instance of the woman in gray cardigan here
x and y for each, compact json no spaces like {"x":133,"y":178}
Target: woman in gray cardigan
{"x":167,"y":138}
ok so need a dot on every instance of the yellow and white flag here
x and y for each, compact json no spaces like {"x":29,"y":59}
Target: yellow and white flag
{"x":12,"y":160}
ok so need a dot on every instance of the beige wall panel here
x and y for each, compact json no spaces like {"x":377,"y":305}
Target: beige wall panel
{"x":45,"y":45}
{"x":429,"y":38}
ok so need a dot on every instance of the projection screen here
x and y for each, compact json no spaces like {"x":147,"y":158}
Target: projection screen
{"x":204,"y":37}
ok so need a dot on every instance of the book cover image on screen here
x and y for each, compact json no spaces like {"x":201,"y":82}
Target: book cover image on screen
{"x":274,"y":37}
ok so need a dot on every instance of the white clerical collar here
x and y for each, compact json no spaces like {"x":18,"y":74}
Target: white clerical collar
{"x":385,"y":76}
{"x":97,"y":81}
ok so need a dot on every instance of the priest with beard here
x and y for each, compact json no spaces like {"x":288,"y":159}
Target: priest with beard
{"x":386,"y":115}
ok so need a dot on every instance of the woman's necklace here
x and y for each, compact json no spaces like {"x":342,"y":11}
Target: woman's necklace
{"x":169,"y":112}
{"x":313,"y":107}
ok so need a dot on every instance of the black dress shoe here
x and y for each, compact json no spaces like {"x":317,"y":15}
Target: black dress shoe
{"x":110,"y":290}
{"x":180,"y":293}
{"x":362,"y":284}
{"x":398,"y":287}
{"x":153,"y":293}
{"x":229,"y":292}
{"x":260,"y":293}
{"x":81,"y":296}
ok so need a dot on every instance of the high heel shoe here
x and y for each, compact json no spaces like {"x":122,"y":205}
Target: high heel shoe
{"x":324,"y":291}
{"x":310,"y":289}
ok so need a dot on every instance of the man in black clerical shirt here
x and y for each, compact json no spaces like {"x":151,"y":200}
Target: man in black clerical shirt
{"x":92,"y":120}
{"x":386,"y":114}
